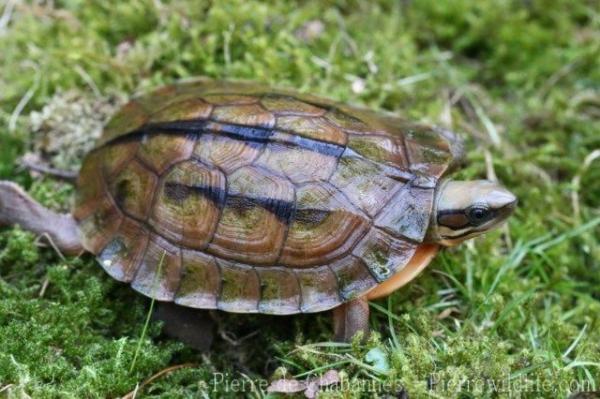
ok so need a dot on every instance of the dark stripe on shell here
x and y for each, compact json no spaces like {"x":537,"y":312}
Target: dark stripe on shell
{"x":283,"y":210}
{"x":311,"y":216}
{"x":239,"y":132}
{"x":179,"y":192}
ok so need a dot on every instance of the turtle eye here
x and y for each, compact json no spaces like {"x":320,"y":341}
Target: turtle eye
{"x":478,"y":214}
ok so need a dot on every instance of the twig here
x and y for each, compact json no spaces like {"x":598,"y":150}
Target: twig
{"x":576,"y":182}
{"x":68,"y":176}
{"x":168,"y":370}
{"x":6,"y":387}
{"x":12,"y":122}
{"x":52,"y":244}
{"x":6,"y":17}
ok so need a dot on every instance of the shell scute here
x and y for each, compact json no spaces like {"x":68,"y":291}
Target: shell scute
{"x":409,"y":217}
{"x":159,"y":271}
{"x":226,"y":153}
{"x":122,"y":255}
{"x":364,"y":183}
{"x":428,"y":151}
{"x":326,"y":226}
{"x":380,"y":149}
{"x":281,"y":104}
{"x":319,"y":289}
{"x":130,"y":118}
{"x":131,"y":189}
{"x":240,"y":290}
{"x":353,"y":276}
{"x":280,"y":291}
{"x":300,"y":165}
{"x":100,"y":225}
{"x":160,"y":151}
{"x":383,"y":254}
{"x":200,"y":281}
{"x":253,"y":221}
{"x":224,"y":99}
{"x":90,"y":187}
{"x":158,"y":98}
{"x":188,"y":204}
{"x":249,"y":115}
{"x":347,"y":122}
{"x":312,"y":127}
{"x":186,"y":109}
{"x":115,"y":157}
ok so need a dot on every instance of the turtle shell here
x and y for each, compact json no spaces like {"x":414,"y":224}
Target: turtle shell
{"x":234,"y":196}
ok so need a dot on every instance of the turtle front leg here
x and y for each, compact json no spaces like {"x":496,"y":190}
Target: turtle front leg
{"x":18,"y":208}
{"x":350,"y":318}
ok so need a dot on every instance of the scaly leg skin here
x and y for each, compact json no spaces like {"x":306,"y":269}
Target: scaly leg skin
{"x":193,"y":327}
{"x":18,"y":208}
{"x":350,"y":318}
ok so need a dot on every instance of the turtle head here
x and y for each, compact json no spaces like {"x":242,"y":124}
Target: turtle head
{"x":465,"y":209}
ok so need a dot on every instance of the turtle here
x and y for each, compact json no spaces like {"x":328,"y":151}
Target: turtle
{"x":244,"y":198}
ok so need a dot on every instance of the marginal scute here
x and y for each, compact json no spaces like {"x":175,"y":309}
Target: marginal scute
{"x":316,"y":128}
{"x":364,"y":183}
{"x":383,"y":254}
{"x":378,"y":149}
{"x":122,"y":255}
{"x":408,"y":213}
{"x":249,"y":115}
{"x":353,"y":277}
{"x":346,"y":121}
{"x":319,"y":289}
{"x":159,"y":271}
{"x":159,"y":98}
{"x":229,"y":99}
{"x":161,"y":150}
{"x":252,"y":225}
{"x":358,"y":120}
{"x":325,"y":227}
{"x":90,"y":187}
{"x":132,"y":190}
{"x":226,"y":153}
{"x":131,"y":117}
{"x":99,"y":226}
{"x":281,"y":104}
{"x":116,"y":156}
{"x":187,"y":208}
{"x":428,"y":151}
{"x":240,"y":289}
{"x":200,"y":281}
{"x":300,"y":165}
{"x":187,"y":109}
{"x":280,"y":291}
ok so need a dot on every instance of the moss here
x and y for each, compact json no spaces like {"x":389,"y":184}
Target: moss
{"x":513,"y":314}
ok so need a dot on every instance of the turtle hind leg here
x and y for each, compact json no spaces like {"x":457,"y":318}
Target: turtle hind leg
{"x":18,"y":208}
{"x":349,"y":318}
{"x":193,"y":327}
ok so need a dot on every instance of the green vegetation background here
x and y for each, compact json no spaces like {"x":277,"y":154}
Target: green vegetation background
{"x":521,"y":79}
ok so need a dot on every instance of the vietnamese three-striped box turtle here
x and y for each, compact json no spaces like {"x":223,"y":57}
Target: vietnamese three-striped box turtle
{"x":237,"y":197}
